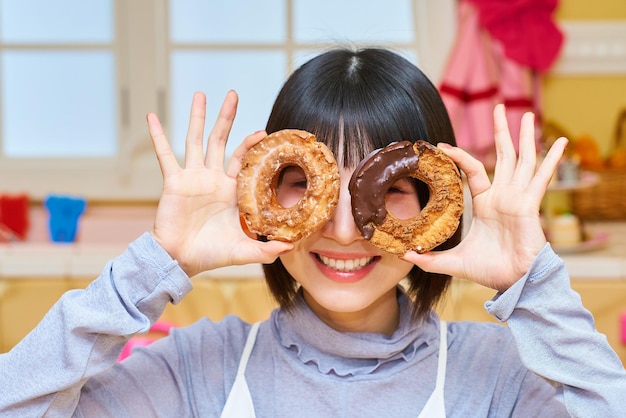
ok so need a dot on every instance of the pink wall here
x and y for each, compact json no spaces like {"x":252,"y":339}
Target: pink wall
{"x":99,"y":224}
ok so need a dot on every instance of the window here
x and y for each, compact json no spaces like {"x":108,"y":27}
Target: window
{"x":77,"y":78}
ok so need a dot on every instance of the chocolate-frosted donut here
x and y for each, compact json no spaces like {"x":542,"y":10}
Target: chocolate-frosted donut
{"x":435,"y":223}
{"x":258,"y":178}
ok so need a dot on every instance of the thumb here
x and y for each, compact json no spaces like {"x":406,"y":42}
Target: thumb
{"x":269,"y":251}
{"x":441,"y":262}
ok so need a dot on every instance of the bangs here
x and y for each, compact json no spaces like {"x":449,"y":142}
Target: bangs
{"x":348,"y":135}
{"x":350,"y":105}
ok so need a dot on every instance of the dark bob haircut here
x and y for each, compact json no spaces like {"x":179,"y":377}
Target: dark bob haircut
{"x":356,"y":101}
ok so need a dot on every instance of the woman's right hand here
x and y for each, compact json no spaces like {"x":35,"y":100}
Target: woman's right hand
{"x":197,"y":220}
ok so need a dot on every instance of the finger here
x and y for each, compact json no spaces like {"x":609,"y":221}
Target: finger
{"x":527,"y":160}
{"x":548,"y":167}
{"x":477,"y":178}
{"x":271,"y":250}
{"x":195,"y":131}
{"x":437,"y":262}
{"x":218,"y":137}
{"x":260,"y":252}
{"x":165,"y":155}
{"x":505,"y":152}
{"x":234,"y":166}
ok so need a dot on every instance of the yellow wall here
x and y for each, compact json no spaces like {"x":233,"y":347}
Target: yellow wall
{"x":591,"y":10}
{"x":587,"y":104}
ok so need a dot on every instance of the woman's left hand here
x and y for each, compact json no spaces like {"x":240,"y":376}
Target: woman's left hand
{"x":505,"y":234}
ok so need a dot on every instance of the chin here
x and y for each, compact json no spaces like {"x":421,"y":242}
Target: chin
{"x":348,"y":299}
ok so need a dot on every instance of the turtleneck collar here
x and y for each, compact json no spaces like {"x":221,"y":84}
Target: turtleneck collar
{"x":344,"y":353}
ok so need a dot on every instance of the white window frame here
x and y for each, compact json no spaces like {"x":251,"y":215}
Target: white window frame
{"x":142,"y":51}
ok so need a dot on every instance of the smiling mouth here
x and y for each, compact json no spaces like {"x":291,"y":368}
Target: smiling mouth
{"x":345,"y":266}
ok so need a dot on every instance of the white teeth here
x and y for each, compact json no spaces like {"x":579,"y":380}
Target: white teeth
{"x":346,"y":265}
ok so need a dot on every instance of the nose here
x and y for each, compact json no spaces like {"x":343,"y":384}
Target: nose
{"x":341,"y":227}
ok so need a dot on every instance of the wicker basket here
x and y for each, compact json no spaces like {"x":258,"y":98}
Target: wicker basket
{"x":607,"y":199}
{"x":604,"y":201}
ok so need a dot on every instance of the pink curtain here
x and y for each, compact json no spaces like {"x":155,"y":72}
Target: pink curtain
{"x":501,"y":48}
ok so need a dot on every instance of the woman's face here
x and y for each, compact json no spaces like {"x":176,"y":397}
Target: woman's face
{"x":344,"y":277}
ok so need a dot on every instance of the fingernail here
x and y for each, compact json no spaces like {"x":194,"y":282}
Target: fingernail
{"x":444,"y":145}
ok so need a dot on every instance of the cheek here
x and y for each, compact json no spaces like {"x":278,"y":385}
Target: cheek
{"x":402,"y":206}
{"x":288,"y":198}
{"x":295,"y":261}
{"x":392,"y":266}
{"x":290,"y":186}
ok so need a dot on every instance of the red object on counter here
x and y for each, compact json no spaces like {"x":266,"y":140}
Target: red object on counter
{"x":14,"y":214}
{"x":160,"y":328}
{"x":623,"y":327}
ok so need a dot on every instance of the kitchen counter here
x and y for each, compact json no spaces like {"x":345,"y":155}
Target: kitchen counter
{"x":607,"y":261}
{"x":34,"y":275}
{"x":80,"y":261}
{"x":85,"y":260}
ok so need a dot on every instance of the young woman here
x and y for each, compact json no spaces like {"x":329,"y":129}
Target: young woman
{"x":348,"y":340}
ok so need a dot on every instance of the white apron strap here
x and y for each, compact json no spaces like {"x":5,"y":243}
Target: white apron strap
{"x":435,"y":406}
{"x":239,"y":403}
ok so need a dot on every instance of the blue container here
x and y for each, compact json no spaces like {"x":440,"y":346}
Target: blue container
{"x":65,"y":212}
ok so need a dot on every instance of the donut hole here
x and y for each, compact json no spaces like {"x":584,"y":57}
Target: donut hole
{"x":402,"y":200}
{"x":291,"y":184}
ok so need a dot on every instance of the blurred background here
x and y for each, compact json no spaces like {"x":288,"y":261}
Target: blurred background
{"x":78,"y":178}
{"x":77,"y":78}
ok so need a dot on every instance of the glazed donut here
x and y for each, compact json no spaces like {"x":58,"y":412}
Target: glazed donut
{"x":434,"y":224}
{"x":258,"y":179}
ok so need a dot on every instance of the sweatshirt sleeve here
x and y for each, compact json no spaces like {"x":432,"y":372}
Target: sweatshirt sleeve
{"x":85,"y":330}
{"x":557,"y":339}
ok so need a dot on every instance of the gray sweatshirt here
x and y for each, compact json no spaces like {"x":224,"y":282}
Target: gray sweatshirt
{"x":299,"y":366}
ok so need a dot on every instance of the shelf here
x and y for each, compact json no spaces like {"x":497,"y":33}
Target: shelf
{"x":594,"y":242}
{"x":587,"y":179}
